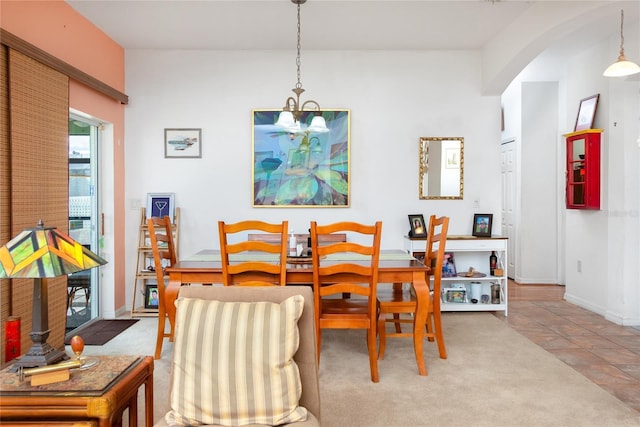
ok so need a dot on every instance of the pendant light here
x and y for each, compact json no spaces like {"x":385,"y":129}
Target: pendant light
{"x":289,"y":118}
{"x":622,"y":67}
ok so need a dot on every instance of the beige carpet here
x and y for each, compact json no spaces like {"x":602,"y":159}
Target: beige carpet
{"x":492,"y":377}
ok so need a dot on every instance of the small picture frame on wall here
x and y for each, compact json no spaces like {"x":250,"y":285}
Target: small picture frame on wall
{"x":160,"y":204}
{"x":482,"y":225}
{"x":151,"y":296}
{"x":586,"y":113}
{"x":417,"y":226}
{"x":182,"y":143}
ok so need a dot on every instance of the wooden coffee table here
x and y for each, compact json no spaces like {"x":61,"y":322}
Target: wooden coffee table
{"x":96,"y":396}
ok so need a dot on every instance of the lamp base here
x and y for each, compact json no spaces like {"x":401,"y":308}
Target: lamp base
{"x":40,"y":354}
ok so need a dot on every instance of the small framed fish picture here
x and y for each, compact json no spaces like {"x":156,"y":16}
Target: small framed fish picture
{"x":183,"y":143}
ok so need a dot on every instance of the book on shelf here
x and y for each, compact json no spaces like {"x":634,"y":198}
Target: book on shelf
{"x":449,"y":265}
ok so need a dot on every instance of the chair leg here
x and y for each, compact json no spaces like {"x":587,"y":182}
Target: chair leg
{"x":161,"y":324}
{"x":383,"y":335}
{"x":319,"y":342}
{"x":429,"y":326}
{"x":437,"y":320}
{"x":373,"y":352}
{"x":396,"y":322}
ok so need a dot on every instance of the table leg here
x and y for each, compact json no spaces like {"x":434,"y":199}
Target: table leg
{"x":421,"y":289}
{"x":133,"y":411}
{"x":148,"y":401}
{"x":170,"y":296}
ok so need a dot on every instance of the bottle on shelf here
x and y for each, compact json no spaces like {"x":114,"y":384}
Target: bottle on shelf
{"x":493,"y":263}
{"x":292,"y":244}
{"x":495,"y":293}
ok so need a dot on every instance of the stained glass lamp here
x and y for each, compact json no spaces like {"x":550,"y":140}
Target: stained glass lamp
{"x":40,"y":253}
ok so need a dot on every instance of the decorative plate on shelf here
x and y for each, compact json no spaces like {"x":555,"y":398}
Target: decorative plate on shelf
{"x":471,"y":275}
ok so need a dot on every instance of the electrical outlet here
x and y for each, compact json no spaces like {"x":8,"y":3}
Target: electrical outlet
{"x":579,"y":266}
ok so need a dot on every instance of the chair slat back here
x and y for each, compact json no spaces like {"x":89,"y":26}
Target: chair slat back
{"x":434,"y":252}
{"x":162,"y":245}
{"x":163,"y":248}
{"x":254,"y":270}
{"x":332,"y":276}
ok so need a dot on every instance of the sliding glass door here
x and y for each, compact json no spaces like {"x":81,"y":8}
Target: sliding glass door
{"x":82,"y":287}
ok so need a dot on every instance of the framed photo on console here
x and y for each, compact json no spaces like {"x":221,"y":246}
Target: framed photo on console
{"x":482,"y":225}
{"x":458,"y":295}
{"x":417,"y":226}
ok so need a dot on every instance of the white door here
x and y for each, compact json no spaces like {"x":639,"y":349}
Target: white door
{"x":509,"y":201}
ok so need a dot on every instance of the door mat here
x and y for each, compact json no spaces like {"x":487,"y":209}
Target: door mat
{"x":101,"y":331}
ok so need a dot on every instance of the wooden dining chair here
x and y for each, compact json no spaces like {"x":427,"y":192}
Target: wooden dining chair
{"x":347,"y":269}
{"x":161,"y":237}
{"x":254,"y":262}
{"x":400,"y":301}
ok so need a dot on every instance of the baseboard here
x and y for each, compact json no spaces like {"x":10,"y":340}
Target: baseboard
{"x":611,"y":316}
{"x":523,"y":281}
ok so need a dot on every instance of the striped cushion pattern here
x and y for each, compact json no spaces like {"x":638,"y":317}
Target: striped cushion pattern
{"x":233,"y":363}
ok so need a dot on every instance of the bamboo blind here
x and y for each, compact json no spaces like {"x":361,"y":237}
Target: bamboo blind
{"x":39,"y":175}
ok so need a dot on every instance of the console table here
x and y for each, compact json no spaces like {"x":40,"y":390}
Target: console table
{"x":466,"y":252}
{"x":95,"y":396}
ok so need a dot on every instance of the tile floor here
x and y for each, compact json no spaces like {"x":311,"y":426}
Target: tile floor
{"x":606,"y":353}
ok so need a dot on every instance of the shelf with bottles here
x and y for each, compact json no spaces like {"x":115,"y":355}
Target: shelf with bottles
{"x":473,"y":295}
{"x":468,"y":268}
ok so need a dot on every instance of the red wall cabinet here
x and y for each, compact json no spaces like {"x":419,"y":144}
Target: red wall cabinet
{"x":583,"y":169}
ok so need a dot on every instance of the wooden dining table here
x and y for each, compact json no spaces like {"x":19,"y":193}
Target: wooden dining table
{"x":395,"y":266}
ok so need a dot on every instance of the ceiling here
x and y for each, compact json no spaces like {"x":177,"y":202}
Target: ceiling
{"x":326,"y":24}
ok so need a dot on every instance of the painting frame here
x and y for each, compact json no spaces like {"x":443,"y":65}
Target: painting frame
{"x":418,"y":228}
{"x":586,"y":112}
{"x":307,"y":169}
{"x":452,"y":159}
{"x":482,"y":224}
{"x":182,"y":143}
{"x":149,"y":291}
{"x":161,"y":204}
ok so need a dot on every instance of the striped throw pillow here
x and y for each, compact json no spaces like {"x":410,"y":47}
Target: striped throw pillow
{"x":233,"y":363}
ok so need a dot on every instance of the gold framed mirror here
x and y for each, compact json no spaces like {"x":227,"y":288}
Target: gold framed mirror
{"x":441,"y":173}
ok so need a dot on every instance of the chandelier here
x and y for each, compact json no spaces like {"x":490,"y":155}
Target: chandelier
{"x":292,"y":111}
{"x":622,"y":67}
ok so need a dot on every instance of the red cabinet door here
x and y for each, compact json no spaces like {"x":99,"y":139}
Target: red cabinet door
{"x":583,"y":169}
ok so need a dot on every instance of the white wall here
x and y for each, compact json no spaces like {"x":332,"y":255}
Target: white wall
{"x":606,"y":241}
{"x":394,"y":98}
{"x":538,"y":225}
